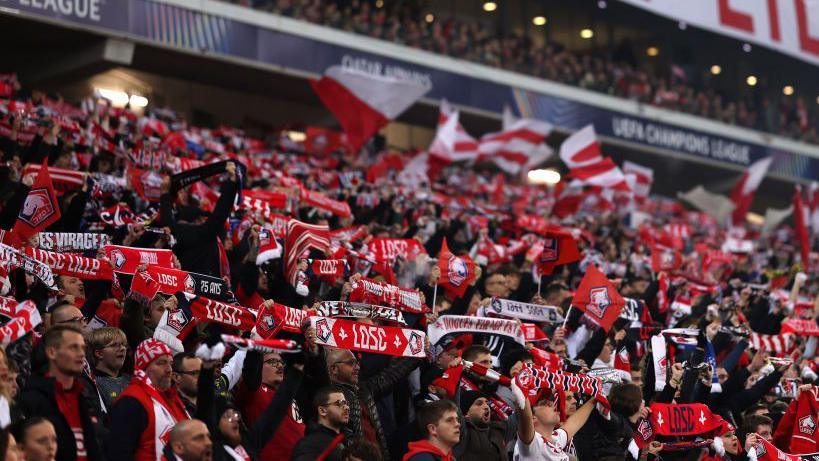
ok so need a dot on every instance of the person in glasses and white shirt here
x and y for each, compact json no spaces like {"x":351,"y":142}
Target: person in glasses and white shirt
{"x":324,"y":438}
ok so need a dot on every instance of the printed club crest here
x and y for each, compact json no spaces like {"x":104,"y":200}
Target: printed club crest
{"x":550,"y":251}
{"x":416,"y":343}
{"x":807,"y":425}
{"x":190,"y":285}
{"x":38,"y":207}
{"x":458,"y":271}
{"x":117,"y":258}
{"x":323,"y":331}
{"x":599,"y":301}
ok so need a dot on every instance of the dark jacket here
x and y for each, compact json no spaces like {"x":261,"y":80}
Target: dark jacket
{"x":38,"y":399}
{"x":315,"y":441}
{"x":196,"y":245}
{"x":600,"y":437}
{"x":483,"y":443}
{"x":366,"y":394}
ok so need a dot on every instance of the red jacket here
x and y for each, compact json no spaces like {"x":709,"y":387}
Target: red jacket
{"x":423,"y":446}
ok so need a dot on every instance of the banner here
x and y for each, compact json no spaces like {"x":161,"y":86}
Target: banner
{"x":347,"y":334}
{"x":781,"y":25}
{"x":449,"y":324}
{"x":71,"y":241}
{"x":524,"y":311}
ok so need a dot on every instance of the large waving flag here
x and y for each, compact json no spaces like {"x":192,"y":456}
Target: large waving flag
{"x":40,"y":209}
{"x":640,"y":181}
{"x":581,"y":153}
{"x":743,"y":193}
{"x":452,"y":143}
{"x":363,"y":102}
{"x":519,"y":145}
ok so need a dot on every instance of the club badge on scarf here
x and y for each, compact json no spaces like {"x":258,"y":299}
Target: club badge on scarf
{"x":274,"y":317}
{"x":172,"y":280}
{"x":347,"y":334}
{"x":26,"y":317}
{"x":125,"y":260}
{"x":372,"y":292}
{"x":524,"y":311}
{"x":457,"y":272}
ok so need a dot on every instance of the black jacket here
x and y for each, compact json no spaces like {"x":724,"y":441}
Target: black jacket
{"x":38,"y":399}
{"x":196,"y":245}
{"x":315,"y":441}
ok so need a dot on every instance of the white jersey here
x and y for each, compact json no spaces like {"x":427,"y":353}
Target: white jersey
{"x":541,"y":449}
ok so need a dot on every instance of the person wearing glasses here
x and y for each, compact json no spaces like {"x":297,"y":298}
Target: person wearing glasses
{"x":539,"y":437}
{"x":324,"y":439}
{"x":186,"y":368}
{"x":107,"y":349}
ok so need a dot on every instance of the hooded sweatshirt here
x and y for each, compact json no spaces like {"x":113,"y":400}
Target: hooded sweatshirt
{"x":418,"y":449}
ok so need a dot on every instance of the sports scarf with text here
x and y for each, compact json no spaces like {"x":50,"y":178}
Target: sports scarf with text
{"x":357,"y":336}
{"x":74,"y":265}
{"x":173,"y":280}
{"x":373,"y":292}
{"x":680,"y":420}
{"x":71,"y":241}
{"x":18,"y":260}
{"x":524,"y":311}
{"x":186,"y":178}
{"x":126,"y":260}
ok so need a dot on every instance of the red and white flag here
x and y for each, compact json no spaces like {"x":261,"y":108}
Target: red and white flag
{"x":452,"y":143}
{"x":64,"y":180}
{"x":457,"y":272}
{"x":813,"y":207}
{"x":598,"y":298}
{"x":581,"y":153}
{"x":364,"y":102}
{"x":519,"y":145}
{"x":640,"y":179}
{"x":40,"y":208}
{"x":302,"y":237}
{"x":743,"y":193}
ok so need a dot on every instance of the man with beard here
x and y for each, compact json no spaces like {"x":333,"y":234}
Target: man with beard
{"x":190,"y":441}
{"x":186,"y":369}
{"x":324,"y":439}
{"x":482,"y":438}
{"x":145,"y":413}
{"x":58,"y":395}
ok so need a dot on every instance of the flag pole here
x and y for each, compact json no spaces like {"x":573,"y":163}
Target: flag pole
{"x":539,"y":281}
{"x":567,"y":317}
{"x":434,"y":298}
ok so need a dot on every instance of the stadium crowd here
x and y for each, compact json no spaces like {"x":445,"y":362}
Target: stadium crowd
{"x":596,"y":70}
{"x":148,"y":316}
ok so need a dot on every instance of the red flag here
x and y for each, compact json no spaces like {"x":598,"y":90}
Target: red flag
{"x":598,"y":298}
{"x":559,"y":247}
{"x":40,"y":209}
{"x":457,"y":272}
{"x":800,"y":228}
{"x":665,"y":259}
{"x":743,"y":193}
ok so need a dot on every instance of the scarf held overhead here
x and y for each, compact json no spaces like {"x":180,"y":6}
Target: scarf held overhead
{"x":347,"y":334}
{"x":126,"y":260}
{"x":451,"y":324}
{"x":524,"y":311}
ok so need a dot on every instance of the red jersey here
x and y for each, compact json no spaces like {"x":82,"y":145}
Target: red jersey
{"x":290,"y":431}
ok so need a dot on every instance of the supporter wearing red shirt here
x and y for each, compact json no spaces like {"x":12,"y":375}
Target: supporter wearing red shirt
{"x":59,"y":396}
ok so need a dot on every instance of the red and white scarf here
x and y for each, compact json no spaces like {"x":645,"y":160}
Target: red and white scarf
{"x":680,"y":420}
{"x":262,"y":345}
{"x":125,"y":260}
{"x":328,"y":270}
{"x":274,"y":317}
{"x":16,"y":259}
{"x":209,"y":310}
{"x":357,"y":336}
{"x":372,"y":292}
{"x":451,"y":324}
{"x":64,"y":180}
{"x":359,"y":311}
{"x":73,"y":265}
{"x":26,"y":317}
{"x":71,"y":241}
